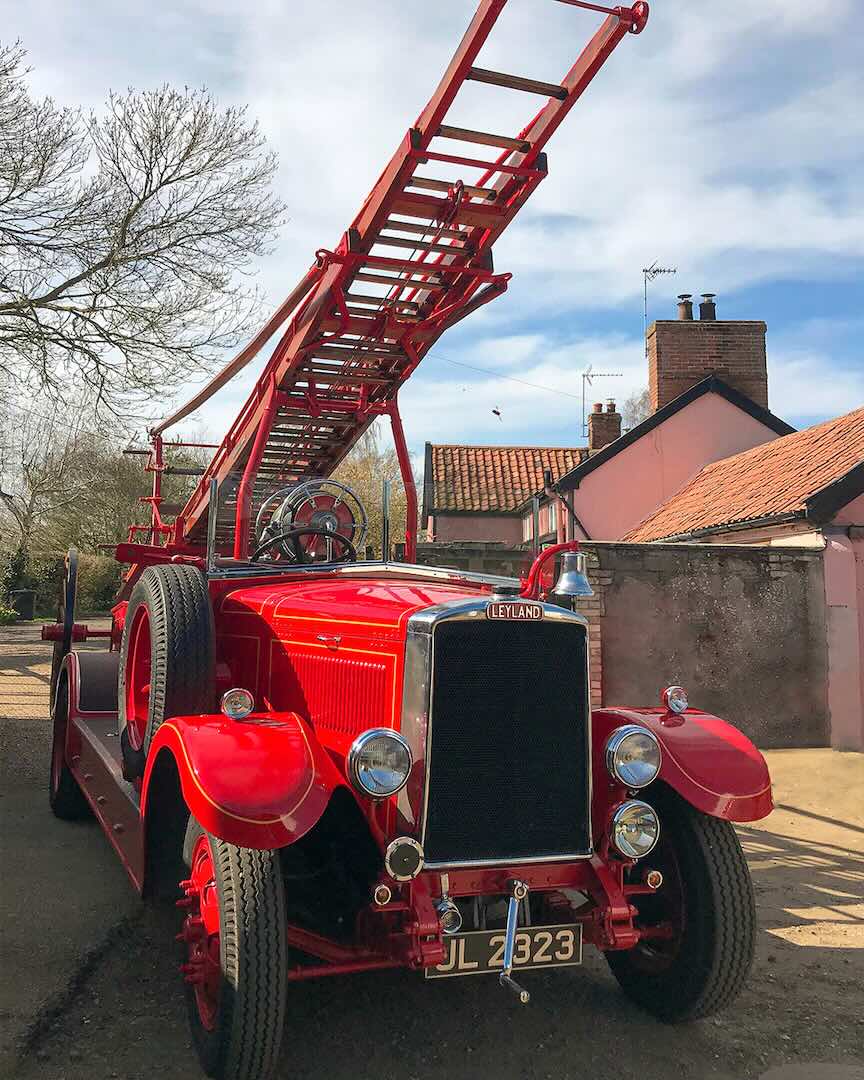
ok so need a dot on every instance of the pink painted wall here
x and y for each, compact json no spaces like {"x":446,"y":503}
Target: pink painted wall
{"x":477,"y":527}
{"x":852,"y":513}
{"x":626,"y":489}
{"x":844,"y":599}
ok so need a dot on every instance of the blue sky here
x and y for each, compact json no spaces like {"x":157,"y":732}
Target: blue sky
{"x":727,"y":140}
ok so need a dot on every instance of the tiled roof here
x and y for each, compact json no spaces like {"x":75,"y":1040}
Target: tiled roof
{"x":491,"y":478}
{"x":771,"y":480}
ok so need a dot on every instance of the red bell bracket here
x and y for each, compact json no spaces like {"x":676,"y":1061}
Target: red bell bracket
{"x":636,"y":17}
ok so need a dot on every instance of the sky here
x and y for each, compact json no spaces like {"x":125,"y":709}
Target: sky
{"x":726,"y":141}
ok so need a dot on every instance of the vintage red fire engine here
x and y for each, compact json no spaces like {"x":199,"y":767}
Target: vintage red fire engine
{"x":337,"y":766}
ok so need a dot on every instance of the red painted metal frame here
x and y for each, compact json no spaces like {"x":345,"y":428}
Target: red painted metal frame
{"x":382,"y":348}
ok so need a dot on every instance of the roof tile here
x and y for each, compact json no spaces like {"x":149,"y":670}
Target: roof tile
{"x":494,"y":478}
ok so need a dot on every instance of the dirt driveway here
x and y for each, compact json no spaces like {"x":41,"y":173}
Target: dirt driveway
{"x":89,"y":988}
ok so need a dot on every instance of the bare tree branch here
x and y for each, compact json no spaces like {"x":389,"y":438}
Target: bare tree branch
{"x":125,"y":237}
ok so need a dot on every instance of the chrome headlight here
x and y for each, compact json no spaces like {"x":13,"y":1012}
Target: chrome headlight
{"x":379,"y":762}
{"x":675,"y":699}
{"x":633,"y":756}
{"x":635,"y":829}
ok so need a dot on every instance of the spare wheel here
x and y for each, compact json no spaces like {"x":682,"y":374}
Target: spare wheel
{"x":166,"y":657}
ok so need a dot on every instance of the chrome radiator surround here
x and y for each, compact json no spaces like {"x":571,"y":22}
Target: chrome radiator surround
{"x":417,"y":711}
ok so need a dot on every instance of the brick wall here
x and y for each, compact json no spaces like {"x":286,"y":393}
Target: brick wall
{"x":682,"y":353}
{"x":483,"y":557}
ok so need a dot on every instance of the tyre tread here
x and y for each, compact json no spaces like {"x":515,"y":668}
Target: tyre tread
{"x":254,"y":958}
{"x":725,"y":918}
{"x":182,"y":637}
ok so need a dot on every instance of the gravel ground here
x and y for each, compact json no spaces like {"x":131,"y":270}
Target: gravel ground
{"x":90,"y":991}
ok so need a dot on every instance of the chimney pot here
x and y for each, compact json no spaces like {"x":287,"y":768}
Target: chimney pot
{"x":598,"y":406}
{"x":685,"y":307}
{"x":708,"y":309}
{"x":603,"y":427}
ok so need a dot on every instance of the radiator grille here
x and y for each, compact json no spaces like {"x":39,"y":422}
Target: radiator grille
{"x":508,"y":756}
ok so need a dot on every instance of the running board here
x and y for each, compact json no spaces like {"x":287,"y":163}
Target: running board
{"x":93,"y":750}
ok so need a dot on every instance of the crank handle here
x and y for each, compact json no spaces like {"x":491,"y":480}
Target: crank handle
{"x":511,"y":984}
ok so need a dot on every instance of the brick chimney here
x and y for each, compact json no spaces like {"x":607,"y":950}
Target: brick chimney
{"x":604,"y":427}
{"x":683,"y":352}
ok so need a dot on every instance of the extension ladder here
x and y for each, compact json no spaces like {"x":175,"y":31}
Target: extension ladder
{"x":416,"y":260}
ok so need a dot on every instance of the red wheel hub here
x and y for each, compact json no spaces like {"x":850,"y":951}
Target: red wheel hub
{"x":200,"y":933}
{"x":138,"y":676}
{"x":662,"y":917}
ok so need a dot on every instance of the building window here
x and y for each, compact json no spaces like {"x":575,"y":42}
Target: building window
{"x":527,"y":530}
{"x":553,"y":517}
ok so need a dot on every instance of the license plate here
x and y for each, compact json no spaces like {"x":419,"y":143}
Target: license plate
{"x":479,"y":952}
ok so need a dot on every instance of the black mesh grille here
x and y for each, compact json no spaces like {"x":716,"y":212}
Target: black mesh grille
{"x":508,"y":760}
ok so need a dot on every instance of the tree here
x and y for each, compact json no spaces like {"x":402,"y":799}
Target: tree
{"x":364,"y":470}
{"x":636,"y":408}
{"x":64,"y":483}
{"x":40,"y":472}
{"x":122,"y":235}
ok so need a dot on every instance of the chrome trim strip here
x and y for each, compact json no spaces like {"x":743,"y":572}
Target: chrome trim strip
{"x":416,"y":719}
{"x":396,"y":570}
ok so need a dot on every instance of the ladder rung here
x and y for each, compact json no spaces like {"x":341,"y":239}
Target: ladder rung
{"x":444,"y":185}
{"x":299,"y":437}
{"x":402,"y":316}
{"x":402,"y":283}
{"x":484,"y":138}
{"x":414,"y":266}
{"x":361,"y":298}
{"x":489,"y":167}
{"x":341,"y":347}
{"x":346,"y":345}
{"x":516,"y":82}
{"x":349,"y":377}
{"x":470,"y":214}
{"x":419,"y":245}
{"x":326,"y":353}
{"x":425,"y":230}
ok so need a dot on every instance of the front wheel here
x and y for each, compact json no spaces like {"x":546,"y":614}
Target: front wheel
{"x":699,"y":927}
{"x":234,"y":935}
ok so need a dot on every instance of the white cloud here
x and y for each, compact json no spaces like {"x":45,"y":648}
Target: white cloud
{"x":728,"y":143}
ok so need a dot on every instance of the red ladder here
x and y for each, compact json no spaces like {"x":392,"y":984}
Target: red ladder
{"x":416,"y":260}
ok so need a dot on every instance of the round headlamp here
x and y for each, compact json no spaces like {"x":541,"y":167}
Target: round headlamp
{"x":633,"y":756}
{"x":635,"y":829}
{"x":379,"y":762}
{"x":675,"y":699}
{"x":237,"y":703}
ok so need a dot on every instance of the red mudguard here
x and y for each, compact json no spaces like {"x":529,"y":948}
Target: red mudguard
{"x":706,"y":760}
{"x":260,"y":783}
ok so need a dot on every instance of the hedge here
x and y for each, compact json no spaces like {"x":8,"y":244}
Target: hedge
{"x":99,"y":578}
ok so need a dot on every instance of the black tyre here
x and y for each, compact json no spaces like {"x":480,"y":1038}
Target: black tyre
{"x":701,"y":923}
{"x":235,"y":939}
{"x":65,"y":797}
{"x":166,"y":657}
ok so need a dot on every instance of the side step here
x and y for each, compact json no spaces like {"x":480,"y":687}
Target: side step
{"x":94,"y":758}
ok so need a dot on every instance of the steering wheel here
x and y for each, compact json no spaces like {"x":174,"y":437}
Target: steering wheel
{"x":287,"y":544}
{"x":323,"y":505}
